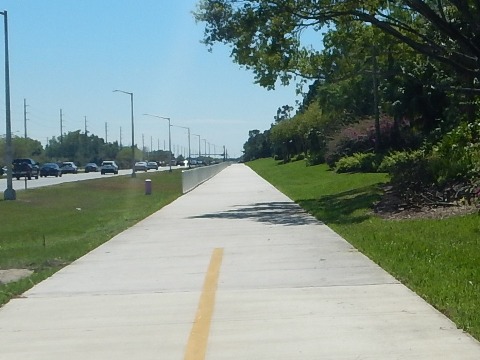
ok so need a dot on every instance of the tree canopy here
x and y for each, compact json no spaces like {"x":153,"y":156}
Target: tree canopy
{"x":266,"y":35}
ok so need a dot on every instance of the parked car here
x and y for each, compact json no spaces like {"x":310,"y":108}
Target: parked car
{"x":25,"y":167}
{"x":69,"y":167}
{"x":50,"y":169}
{"x":141,"y":166}
{"x":152,"y":165}
{"x":109,"y":167}
{"x":3,"y":170}
{"x":91,"y":167}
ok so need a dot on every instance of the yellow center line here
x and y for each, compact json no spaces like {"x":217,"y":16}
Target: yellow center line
{"x":198,"y":339}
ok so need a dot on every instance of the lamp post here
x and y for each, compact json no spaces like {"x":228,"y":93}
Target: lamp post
{"x":199,"y":150}
{"x":189,"y":152}
{"x":169,"y":138}
{"x":9,"y":193}
{"x":133,"y":130}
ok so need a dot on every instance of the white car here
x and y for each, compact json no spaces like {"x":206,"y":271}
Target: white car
{"x":141,"y":166}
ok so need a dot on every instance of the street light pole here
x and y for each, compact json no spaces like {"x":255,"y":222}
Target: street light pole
{"x":9,"y":193}
{"x":133,"y":130}
{"x":199,"y":150}
{"x":189,"y":152}
{"x":169,"y":138}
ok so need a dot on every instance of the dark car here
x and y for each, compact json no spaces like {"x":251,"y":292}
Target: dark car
{"x":91,"y":167}
{"x":50,"y":169}
{"x":2,"y":171}
{"x":25,"y":167}
{"x":109,"y":167}
{"x":69,"y":167}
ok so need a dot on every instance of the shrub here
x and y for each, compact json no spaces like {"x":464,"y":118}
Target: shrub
{"x":358,"y":138}
{"x":358,"y":162}
{"x":396,"y":158}
{"x":457,"y":155}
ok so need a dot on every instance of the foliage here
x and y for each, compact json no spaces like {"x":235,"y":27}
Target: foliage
{"x":266,"y":36}
{"x":360,"y":137}
{"x":438,"y":259}
{"x":21,"y":147}
{"x":358,"y":162}
{"x":457,"y":155}
{"x":398,"y":158}
{"x":257,"y":146}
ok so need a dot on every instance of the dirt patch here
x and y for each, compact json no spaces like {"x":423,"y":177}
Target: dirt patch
{"x":11,"y":275}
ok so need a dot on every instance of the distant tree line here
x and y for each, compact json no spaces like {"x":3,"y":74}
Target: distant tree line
{"x":79,"y":148}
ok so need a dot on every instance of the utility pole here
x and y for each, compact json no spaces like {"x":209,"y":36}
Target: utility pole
{"x":106,"y":133}
{"x":86,"y":131}
{"x":25,"y":116}
{"x":61,"y":126}
{"x":143,"y":145}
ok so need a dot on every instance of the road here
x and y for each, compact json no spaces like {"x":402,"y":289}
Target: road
{"x":48,"y":181}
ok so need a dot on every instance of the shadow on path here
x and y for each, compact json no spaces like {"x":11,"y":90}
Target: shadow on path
{"x":276,"y":213}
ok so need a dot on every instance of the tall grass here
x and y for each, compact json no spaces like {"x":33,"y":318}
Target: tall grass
{"x":438,"y":259}
{"x":48,"y":228}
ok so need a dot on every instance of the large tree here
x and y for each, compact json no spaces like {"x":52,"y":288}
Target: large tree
{"x":266,"y":35}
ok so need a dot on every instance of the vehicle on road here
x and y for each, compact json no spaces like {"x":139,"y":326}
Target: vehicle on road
{"x":109,"y":167}
{"x":91,"y":167}
{"x":50,"y":169}
{"x":152,"y":165}
{"x":141,"y":166}
{"x":3,"y":170}
{"x":69,"y":167}
{"x":25,"y":167}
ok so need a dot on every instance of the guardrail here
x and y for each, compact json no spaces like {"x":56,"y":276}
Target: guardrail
{"x":193,"y":177}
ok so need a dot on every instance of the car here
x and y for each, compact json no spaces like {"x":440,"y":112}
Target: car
{"x":69,"y":167}
{"x":3,"y":170}
{"x":109,"y":167}
{"x":25,"y":167}
{"x":50,"y":169}
{"x":91,"y":167}
{"x":141,"y":166}
{"x":152,"y":165}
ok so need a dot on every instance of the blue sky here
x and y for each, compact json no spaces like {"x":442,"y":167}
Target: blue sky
{"x":71,"y":54}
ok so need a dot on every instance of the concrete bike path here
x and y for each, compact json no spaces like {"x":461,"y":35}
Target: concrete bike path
{"x":231,"y":270}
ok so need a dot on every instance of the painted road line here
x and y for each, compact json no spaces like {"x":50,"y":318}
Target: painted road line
{"x":198,"y":339}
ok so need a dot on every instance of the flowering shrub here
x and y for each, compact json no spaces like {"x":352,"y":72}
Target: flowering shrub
{"x":358,"y":137}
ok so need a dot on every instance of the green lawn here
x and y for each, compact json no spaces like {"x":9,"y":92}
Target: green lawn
{"x":48,"y":228}
{"x":438,"y":259}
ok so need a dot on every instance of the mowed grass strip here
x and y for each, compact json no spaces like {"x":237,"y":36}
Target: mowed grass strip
{"x":438,"y":259}
{"x":48,"y":228}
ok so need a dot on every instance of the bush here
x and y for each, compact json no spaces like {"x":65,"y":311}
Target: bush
{"x":358,"y":162}
{"x":457,"y":155}
{"x":390,"y":161}
{"x":358,"y":138}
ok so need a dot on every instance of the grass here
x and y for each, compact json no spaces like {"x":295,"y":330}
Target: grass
{"x":438,"y":259}
{"x":48,"y":228}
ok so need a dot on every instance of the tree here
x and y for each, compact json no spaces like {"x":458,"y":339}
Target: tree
{"x":265,"y":35}
{"x":257,"y":145}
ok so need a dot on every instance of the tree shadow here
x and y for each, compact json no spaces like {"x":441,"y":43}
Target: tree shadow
{"x":348,"y":207}
{"x":276,"y":213}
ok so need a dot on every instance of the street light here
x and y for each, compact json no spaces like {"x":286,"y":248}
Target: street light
{"x":189,"y":152}
{"x":9,"y":193}
{"x":169,"y":138}
{"x":199,"y":150}
{"x":133,"y":130}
